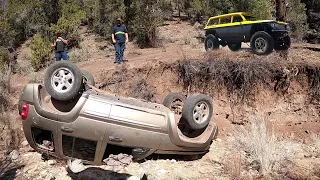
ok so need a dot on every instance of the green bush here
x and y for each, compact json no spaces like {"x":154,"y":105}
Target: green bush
{"x":41,"y":51}
{"x":148,"y":17}
{"x":72,"y":16}
{"x":297,"y":18}
{"x":261,"y":9}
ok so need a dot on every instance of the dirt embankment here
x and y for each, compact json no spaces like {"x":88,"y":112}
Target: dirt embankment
{"x":245,"y":89}
{"x":287,"y":93}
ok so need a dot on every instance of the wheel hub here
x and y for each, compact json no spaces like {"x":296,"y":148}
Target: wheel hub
{"x":201,"y":112}
{"x":62,"y":80}
{"x":210,"y":44}
{"x":260,"y":44}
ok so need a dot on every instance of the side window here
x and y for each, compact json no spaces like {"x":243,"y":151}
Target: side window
{"x":237,"y":19}
{"x":79,"y":148}
{"x":213,"y":22}
{"x":225,"y":20}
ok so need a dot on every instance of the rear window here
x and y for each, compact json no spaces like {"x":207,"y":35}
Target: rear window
{"x":213,"y":22}
{"x":225,"y":20}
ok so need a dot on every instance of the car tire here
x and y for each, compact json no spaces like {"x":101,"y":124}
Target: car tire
{"x":87,"y":76}
{"x":283,"y":45}
{"x":197,"y":104}
{"x":63,"y":80}
{"x":234,"y":46}
{"x":262,"y":43}
{"x":175,"y":101}
{"x":211,"y":42}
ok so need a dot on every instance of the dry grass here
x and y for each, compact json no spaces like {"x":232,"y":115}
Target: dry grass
{"x":259,"y":145}
{"x":79,"y":55}
{"x":256,"y":152}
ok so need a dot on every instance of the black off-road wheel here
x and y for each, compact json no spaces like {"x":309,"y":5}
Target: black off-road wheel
{"x":262,"y":43}
{"x":88,"y":78}
{"x":234,"y":46}
{"x":197,"y":111}
{"x":211,"y":42}
{"x":283,"y":45}
{"x":63,"y":80}
{"x":175,"y":101}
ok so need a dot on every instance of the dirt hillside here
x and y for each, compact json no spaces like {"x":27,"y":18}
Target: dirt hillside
{"x":152,"y":73}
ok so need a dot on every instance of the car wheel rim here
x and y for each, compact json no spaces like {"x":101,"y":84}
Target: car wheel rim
{"x":201,"y":112}
{"x":62,"y":80}
{"x":261,"y":44}
{"x":210,"y":44}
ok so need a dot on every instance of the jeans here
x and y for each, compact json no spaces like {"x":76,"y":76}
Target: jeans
{"x":120,"y":46}
{"x":62,"y":54}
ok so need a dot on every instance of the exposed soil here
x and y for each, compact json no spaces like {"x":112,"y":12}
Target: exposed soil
{"x":151,"y":73}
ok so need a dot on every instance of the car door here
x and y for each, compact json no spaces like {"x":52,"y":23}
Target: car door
{"x":223,"y":29}
{"x":236,"y":30}
{"x":82,"y":134}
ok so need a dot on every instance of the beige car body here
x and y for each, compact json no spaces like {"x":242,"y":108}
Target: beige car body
{"x":108,"y":120}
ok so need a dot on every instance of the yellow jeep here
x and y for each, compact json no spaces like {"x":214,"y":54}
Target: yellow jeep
{"x":235,"y":28}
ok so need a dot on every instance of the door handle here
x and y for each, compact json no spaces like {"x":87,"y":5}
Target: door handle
{"x":115,"y":139}
{"x":66,"y":129}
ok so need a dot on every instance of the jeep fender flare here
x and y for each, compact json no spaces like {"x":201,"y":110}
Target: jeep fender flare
{"x":261,"y":27}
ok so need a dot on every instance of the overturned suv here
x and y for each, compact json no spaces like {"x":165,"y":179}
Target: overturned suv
{"x":67,"y":117}
{"x":233,"y":29}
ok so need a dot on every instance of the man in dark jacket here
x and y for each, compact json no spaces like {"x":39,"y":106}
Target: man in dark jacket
{"x":119,"y":39}
{"x":59,"y":43}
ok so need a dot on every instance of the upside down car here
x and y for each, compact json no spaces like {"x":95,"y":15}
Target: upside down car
{"x":67,"y":118}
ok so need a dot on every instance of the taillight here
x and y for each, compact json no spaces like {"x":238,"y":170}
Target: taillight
{"x":25,"y":111}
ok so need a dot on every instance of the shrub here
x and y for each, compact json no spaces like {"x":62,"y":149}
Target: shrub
{"x":147,"y":18}
{"x":297,"y":18}
{"x":68,"y":23}
{"x":41,"y":51}
{"x":260,"y":146}
{"x":260,"y":9}
{"x":4,"y":58}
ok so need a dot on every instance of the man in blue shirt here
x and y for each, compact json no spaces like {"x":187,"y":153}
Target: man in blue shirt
{"x":119,"y":39}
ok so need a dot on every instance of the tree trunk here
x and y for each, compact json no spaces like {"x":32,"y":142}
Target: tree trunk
{"x":281,"y":12}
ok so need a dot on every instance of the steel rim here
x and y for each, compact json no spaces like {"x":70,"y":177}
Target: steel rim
{"x":201,"y":112}
{"x":210,"y":44}
{"x":62,"y":80}
{"x":260,"y":44}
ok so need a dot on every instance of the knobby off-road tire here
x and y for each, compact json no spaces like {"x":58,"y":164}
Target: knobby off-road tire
{"x":88,"y":78}
{"x":261,"y":43}
{"x":175,"y":101}
{"x":63,"y":80}
{"x":283,"y":45}
{"x":234,"y":46}
{"x":197,"y":111}
{"x":211,"y":42}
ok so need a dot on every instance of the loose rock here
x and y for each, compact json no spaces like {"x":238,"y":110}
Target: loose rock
{"x":14,"y":155}
{"x":25,"y":143}
{"x":52,"y":162}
